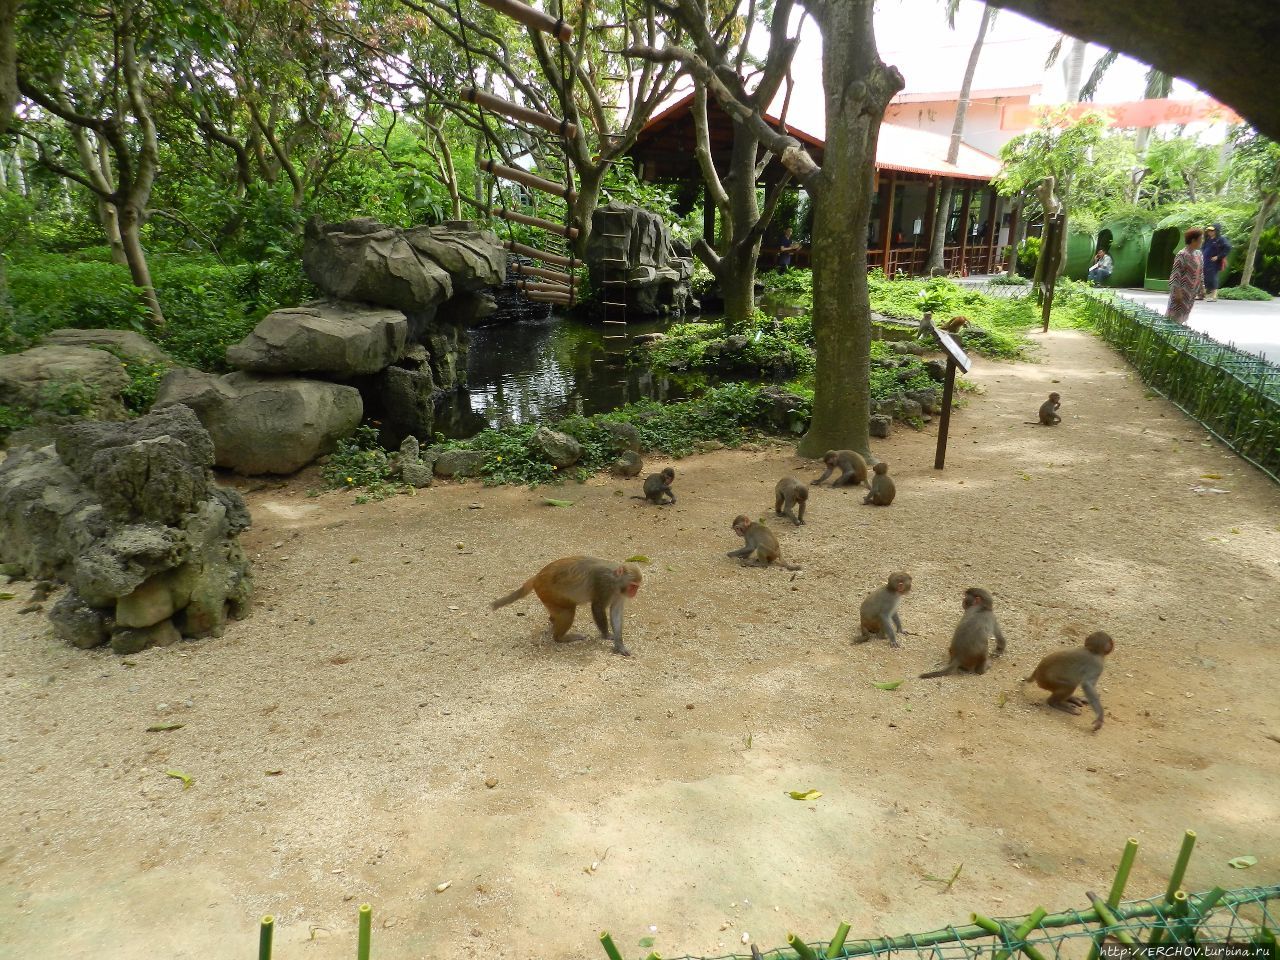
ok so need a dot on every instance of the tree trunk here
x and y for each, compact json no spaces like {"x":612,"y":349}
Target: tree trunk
{"x":584,"y":205}
{"x":1015,"y":237}
{"x":857,"y":87}
{"x":941,"y":220}
{"x":130,"y":224}
{"x":1259,"y":222}
{"x":1073,"y":69}
{"x":8,"y":61}
{"x":737,"y":273}
{"x":110,"y":221}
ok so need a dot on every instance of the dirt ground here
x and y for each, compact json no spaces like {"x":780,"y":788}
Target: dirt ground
{"x":343,"y":738}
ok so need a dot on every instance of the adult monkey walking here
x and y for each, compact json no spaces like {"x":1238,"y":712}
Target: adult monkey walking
{"x":857,"y":86}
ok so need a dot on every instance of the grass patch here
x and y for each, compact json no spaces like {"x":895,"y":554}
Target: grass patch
{"x":1243,"y":293}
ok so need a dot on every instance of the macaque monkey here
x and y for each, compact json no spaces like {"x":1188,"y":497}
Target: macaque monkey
{"x":786,"y":495}
{"x":853,"y":469}
{"x":879,"y":612}
{"x":968,"y":651}
{"x":955,"y":324}
{"x":1048,"y":412}
{"x":1060,"y":673}
{"x":564,"y":584}
{"x":760,"y":541}
{"x":657,"y":487}
{"x":882,"y":489}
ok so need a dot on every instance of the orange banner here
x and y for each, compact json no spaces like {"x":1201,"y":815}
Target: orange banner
{"x":1133,"y":113}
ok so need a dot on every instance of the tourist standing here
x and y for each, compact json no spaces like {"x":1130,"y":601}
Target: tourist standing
{"x":786,"y":249}
{"x":1101,"y":268}
{"x":1186,"y":278}
{"x":1216,"y":248}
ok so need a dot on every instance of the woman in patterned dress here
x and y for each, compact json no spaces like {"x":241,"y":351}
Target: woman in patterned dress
{"x":1185,"y":280}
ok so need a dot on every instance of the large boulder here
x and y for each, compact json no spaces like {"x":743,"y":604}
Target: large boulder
{"x":128,"y":514}
{"x":265,"y":424}
{"x":460,"y":463}
{"x":401,"y":399}
{"x":338,"y":339}
{"x":655,"y":271}
{"x":408,"y":270}
{"x":124,"y":343}
{"x":64,"y":381}
{"x":560,"y":449}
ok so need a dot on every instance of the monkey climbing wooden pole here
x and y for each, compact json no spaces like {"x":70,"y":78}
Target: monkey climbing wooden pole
{"x":517,"y":111}
{"x":521,"y":12}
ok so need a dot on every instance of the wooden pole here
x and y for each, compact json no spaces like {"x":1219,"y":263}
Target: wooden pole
{"x":993,"y":227}
{"x":544,"y":287}
{"x":519,"y":112}
{"x":528,"y":179}
{"x":548,"y":225}
{"x":885,"y":207}
{"x":549,"y":297}
{"x":1051,"y":252}
{"x":964,"y":225}
{"x":536,"y":254}
{"x":944,"y":423}
{"x":521,"y":12}
{"x":566,"y":278}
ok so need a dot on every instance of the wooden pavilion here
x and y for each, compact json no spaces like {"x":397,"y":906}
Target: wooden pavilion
{"x":910,"y":167}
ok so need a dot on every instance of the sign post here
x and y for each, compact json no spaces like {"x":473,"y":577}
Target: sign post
{"x":956,"y":358}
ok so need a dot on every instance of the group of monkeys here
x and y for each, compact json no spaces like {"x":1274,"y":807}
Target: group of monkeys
{"x":565,"y":584}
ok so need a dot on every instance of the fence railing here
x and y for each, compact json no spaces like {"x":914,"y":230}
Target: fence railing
{"x":1233,"y":393}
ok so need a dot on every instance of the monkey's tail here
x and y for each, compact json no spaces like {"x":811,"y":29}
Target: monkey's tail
{"x":944,"y":672}
{"x":522,"y":591}
{"x":789,"y":566}
{"x":636,"y":496}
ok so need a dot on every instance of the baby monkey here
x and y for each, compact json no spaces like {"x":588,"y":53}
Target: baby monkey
{"x":1060,"y":673}
{"x":879,"y":612}
{"x":969,"y":644}
{"x":882,"y":489}
{"x":564,"y":584}
{"x":787,"y":494}
{"x":657,"y":487}
{"x":853,"y":469}
{"x":1048,"y":412}
{"x":760,"y":541}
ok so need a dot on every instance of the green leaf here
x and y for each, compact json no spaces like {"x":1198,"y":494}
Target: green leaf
{"x":646,"y":941}
{"x":164,"y":727}
{"x":7,"y":596}
{"x":1242,"y":863}
{"x":557,"y":503}
{"x":888,"y":685}
{"x":804,"y":794}
{"x":638,"y":558}
{"x":179,"y":775}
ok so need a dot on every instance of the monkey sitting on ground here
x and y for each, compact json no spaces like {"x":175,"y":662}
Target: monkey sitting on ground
{"x":1060,"y":673}
{"x":969,"y":644}
{"x":955,"y":324}
{"x":879,"y":612}
{"x":564,"y":584}
{"x":760,"y":541}
{"x":853,"y":469}
{"x":787,"y":494}
{"x":1048,"y":412}
{"x":657,"y":487}
{"x":882,"y":489}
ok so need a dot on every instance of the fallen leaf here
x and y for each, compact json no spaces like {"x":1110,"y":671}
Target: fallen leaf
{"x":557,"y":503}
{"x":179,"y":775}
{"x":7,"y":596}
{"x":1210,"y":476}
{"x":273,"y":773}
{"x":1242,"y":863}
{"x":442,"y":887}
{"x":646,"y":941}
{"x":164,"y":727}
{"x":638,"y":558}
{"x":804,"y":794}
{"x":888,"y":685}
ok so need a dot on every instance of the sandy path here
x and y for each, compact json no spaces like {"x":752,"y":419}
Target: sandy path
{"x":374,"y":677}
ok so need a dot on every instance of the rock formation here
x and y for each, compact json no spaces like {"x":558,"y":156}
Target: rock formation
{"x":129,"y":516}
{"x":657,"y":274}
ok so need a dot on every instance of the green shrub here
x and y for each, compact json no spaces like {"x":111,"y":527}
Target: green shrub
{"x":1004,"y":280}
{"x":1243,"y":293}
{"x":774,"y":348}
{"x":68,"y":398}
{"x":1028,"y":254}
{"x":360,"y":462}
{"x":11,"y":419}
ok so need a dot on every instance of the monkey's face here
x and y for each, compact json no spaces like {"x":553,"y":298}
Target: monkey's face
{"x":1054,"y":398}
{"x":901,"y":584}
{"x":668,"y":474}
{"x":976,"y":596}
{"x":881,"y":468}
{"x":629,"y":579}
{"x":1099,"y":643}
{"x":829,"y":458}
{"x":741,"y":525}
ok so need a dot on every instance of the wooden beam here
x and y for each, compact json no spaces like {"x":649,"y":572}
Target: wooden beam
{"x":521,"y":12}
{"x":528,"y":179}
{"x":536,"y":254}
{"x":548,"y":225}
{"x":549,"y":298}
{"x":524,"y":271}
{"x":518,"y":112}
{"x":544,"y":287}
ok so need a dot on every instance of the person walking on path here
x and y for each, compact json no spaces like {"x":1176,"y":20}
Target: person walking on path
{"x":1185,"y":280}
{"x":1216,"y":248}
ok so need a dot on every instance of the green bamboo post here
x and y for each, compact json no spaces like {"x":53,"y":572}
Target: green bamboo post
{"x":1108,"y":919}
{"x":1118,"y":884}
{"x":1181,"y":908}
{"x":836,"y":946}
{"x":654,"y":956}
{"x":366,"y":932}
{"x":1175,"y":881}
{"x":802,"y":949}
{"x":265,"y":932}
{"x":1001,"y":931}
{"x":1022,"y":931}
{"x":610,"y":948}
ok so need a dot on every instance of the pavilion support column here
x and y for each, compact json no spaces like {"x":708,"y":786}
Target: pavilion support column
{"x":993,"y":236}
{"x":886,"y":224}
{"x":1011,"y":266}
{"x":964,"y":224}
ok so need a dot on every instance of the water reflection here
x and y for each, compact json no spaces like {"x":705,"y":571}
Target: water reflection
{"x":542,"y":370}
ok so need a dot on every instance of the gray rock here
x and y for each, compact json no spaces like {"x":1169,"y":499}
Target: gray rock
{"x":623,"y":436}
{"x":80,"y":444}
{"x":930,"y":400}
{"x":405,"y":269}
{"x":134,"y":640}
{"x":116,"y":565}
{"x":783,"y":410}
{"x":879,"y":425}
{"x":124,"y":342}
{"x":410,"y":450}
{"x":416,"y":473}
{"x":54,"y":378}
{"x":657,"y":275}
{"x":78,"y":623}
{"x":467,"y":309}
{"x":910,"y":410}
{"x":215,"y":582}
{"x":560,"y":449}
{"x":265,"y":424}
{"x":151,"y":479}
{"x":936,"y":369}
{"x":629,"y":464}
{"x":460,"y":463}
{"x":339,"y":339}
{"x":402,"y":400}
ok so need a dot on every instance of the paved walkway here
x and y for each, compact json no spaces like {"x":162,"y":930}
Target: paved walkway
{"x":1249,"y":325}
